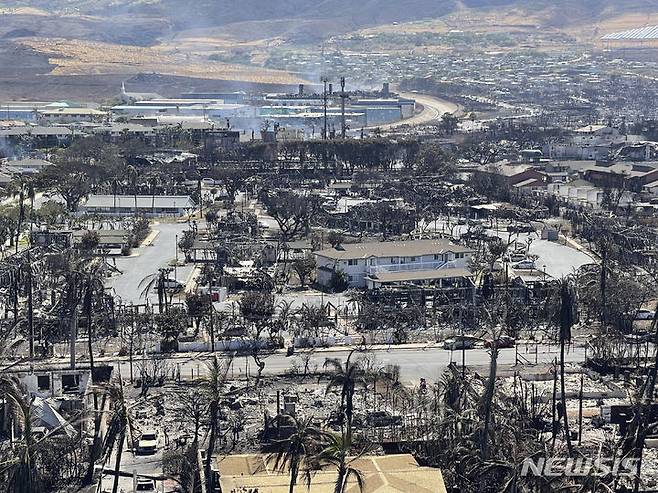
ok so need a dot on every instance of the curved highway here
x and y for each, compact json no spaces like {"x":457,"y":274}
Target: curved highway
{"x":433,"y":109}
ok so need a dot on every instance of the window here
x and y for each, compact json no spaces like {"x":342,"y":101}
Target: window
{"x":43,"y":382}
{"x":459,"y":255}
{"x":412,"y":259}
{"x":438,"y":257}
{"x":70,"y":382}
{"x":352,"y":262}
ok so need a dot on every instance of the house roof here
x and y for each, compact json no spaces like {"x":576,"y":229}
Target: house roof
{"x":72,"y":112}
{"x":46,"y":415}
{"x":420,"y":275}
{"x":105,"y":236}
{"x":629,"y":170}
{"x":590,"y":129}
{"x":508,"y":170}
{"x":388,"y":473}
{"x":143,"y":201}
{"x":38,"y":131}
{"x":580,"y":183}
{"x":530,"y":182}
{"x":414,"y":248}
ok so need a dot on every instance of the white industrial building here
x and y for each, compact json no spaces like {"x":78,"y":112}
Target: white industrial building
{"x":150,"y":205}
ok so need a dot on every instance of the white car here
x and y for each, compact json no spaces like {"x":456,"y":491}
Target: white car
{"x":644,"y":314}
{"x":144,"y":484}
{"x":148,"y":442}
{"x":525,"y":265}
{"x":173,"y":284}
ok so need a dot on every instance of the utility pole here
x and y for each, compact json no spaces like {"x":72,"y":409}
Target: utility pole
{"x":212,"y":318}
{"x":324,"y":99}
{"x":343,"y":97}
{"x":74,"y":336}
{"x":30,"y":304}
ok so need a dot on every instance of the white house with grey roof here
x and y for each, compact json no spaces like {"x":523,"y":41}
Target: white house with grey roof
{"x":150,"y":205}
{"x":378,"y":264}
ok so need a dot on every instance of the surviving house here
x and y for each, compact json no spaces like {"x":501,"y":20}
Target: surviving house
{"x":517,"y":175}
{"x":373,"y":265}
{"x":622,"y":175}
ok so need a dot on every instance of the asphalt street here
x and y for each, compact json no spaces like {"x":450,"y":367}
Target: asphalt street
{"x":415,"y":363}
{"x":147,"y":260}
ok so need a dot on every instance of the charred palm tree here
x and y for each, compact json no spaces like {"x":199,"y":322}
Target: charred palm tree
{"x":213,"y":386}
{"x":337,"y":454}
{"x":118,"y":428}
{"x":302,"y":443}
{"x":345,"y":377}
{"x":157,"y":281}
{"x":21,"y":468}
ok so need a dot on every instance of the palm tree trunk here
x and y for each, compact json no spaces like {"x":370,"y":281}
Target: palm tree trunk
{"x":117,"y":461}
{"x":214,"y":405}
{"x":21,"y":214}
{"x":564,"y":401}
{"x":30,"y":301}
{"x":89,"y":315}
{"x":488,"y":401}
{"x":294,"y":470}
{"x":340,"y":480}
{"x":74,"y":336}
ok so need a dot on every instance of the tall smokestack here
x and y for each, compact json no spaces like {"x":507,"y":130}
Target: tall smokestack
{"x":301,"y":89}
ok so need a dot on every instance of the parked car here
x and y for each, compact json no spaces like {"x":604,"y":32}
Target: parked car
{"x":516,"y":257}
{"x":378,"y":419}
{"x":144,"y":484}
{"x":148,"y":443}
{"x":639,"y":337}
{"x":524,"y":265}
{"x":644,"y":314}
{"x":460,"y":342}
{"x":503,"y":342}
{"x":173,"y":284}
{"x":521,"y":228}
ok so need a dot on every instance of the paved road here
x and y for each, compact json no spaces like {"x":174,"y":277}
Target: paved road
{"x":150,"y":466}
{"x":414,"y":364}
{"x":558,"y":259}
{"x":148,"y":260}
{"x":433,"y":109}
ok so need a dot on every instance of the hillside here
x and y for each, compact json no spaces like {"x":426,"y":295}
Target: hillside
{"x":328,"y":16}
{"x":46,"y":44}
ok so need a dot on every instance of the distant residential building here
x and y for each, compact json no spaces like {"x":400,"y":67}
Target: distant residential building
{"x":237,"y":97}
{"x":651,"y":188}
{"x":25,"y":166}
{"x":71,"y":115}
{"x":517,"y":175}
{"x":149,"y":205}
{"x":623,"y":175}
{"x":373,"y":265}
{"x":41,"y":136}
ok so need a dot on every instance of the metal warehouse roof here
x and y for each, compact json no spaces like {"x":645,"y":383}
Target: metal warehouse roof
{"x":649,"y":32}
{"x":143,"y":201}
